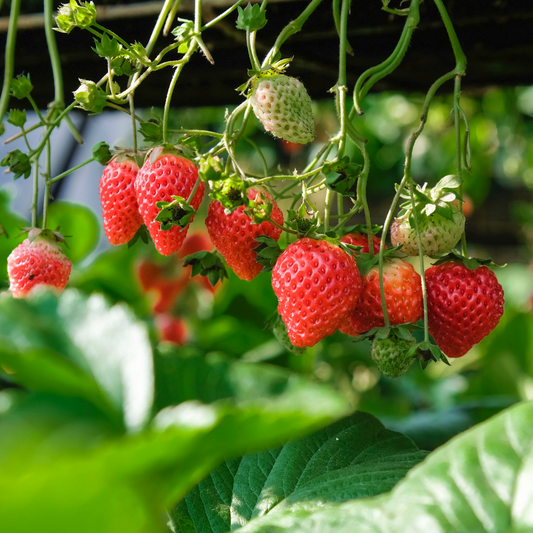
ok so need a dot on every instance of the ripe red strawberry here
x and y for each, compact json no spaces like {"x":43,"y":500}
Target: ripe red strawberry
{"x":234,"y":234}
{"x":403,"y":297}
{"x":359,"y":239}
{"x":158,"y":180}
{"x":163,"y":289}
{"x":464,"y":305}
{"x":172,"y":329}
{"x":317,"y":284}
{"x":38,"y":261}
{"x":119,"y":204}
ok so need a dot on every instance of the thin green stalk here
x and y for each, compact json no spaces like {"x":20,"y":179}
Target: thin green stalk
{"x":9,"y":66}
{"x":71,"y":170}
{"x":340,"y":206}
{"x":252,"y":53}
{"x":374,"y":74}
{"x":54,"y":53}
{"x":290,"y":29}
{"x":421,"y":261}
{"x":35,"y":200}
{"x":460,"y":57}
{"x":160,"y":23}
{"x":171,"y":16}
{"x":459,"y":150}
{"x":194,"y":189}
{"x":222,"y":15}
{"x":260,"y":154}
{"x":47,"y":182}
{"x":133,"y":123}
{"x":327,"y":205}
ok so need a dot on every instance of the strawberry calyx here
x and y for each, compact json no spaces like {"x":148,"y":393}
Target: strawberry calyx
{"x":175,"y":213}
{"x":178,"y":150}
{"x":366,"y":261}
{"x":127,"y":155}
{"x":469,"y":262}
{"x":53,"y":238}
{"x":207,"y":264}
{"x":425,"y":351}
{"x":438,"y":199}
{"x":268,"y":71}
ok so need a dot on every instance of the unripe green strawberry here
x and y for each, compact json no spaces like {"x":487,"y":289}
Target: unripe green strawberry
{"x":39,"y":260}
{"x":438,"y":235}
{"x":392,"y":355}
{"x":284,"y":108}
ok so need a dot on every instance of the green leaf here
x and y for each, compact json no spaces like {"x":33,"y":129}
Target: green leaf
{"x":18,"y":162}
{"x":251,"y":18}
{"x":267,"y":252}
{"x":53,"y":460}
{"x":479,"y":481}
{"x":107,"y":47}
{"x":353,"y":458}
{"x":107,"y":344}
{"x":207,"y":264}
{"x":102,"y":153}
{"x":78,"y":223}
{"x":448,"y":182}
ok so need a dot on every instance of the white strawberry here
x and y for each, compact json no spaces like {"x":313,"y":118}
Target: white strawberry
{"x":284,"y":108}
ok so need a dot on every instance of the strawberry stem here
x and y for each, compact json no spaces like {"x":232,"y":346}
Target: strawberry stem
{"x":9,"y":65}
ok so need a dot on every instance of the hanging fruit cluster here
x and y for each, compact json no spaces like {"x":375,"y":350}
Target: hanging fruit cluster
{"x":327,"y":277}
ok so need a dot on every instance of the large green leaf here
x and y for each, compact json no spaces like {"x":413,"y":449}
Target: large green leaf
{"x":63,"y":460}
{"x":190,"y":374}
{"x":352,"y":458}
{"x":76,"y":343}
{"x":480,"y":481}
{"x":77,"y":222}
{"x":53,"y":478}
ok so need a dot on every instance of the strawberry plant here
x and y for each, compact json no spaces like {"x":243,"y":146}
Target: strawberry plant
{"x":131,"y":413}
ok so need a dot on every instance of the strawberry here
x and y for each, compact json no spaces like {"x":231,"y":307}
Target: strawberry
{"x":172,"y":329}
{"x":119,"y":204}
{"x":403,"y":297}
{"x":393,"y":355}
{"x":163,"y":176}
{"x":163,"y":288}
{"x":438,"y":235}
{"x":360,"y":239}
{"x":464,"y":305}
{"x":37,"y":261}
{"x":317,"y":284}
{"x":234,"y":234}
{"x":440,"y":221}
{"x":284,"y":108}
